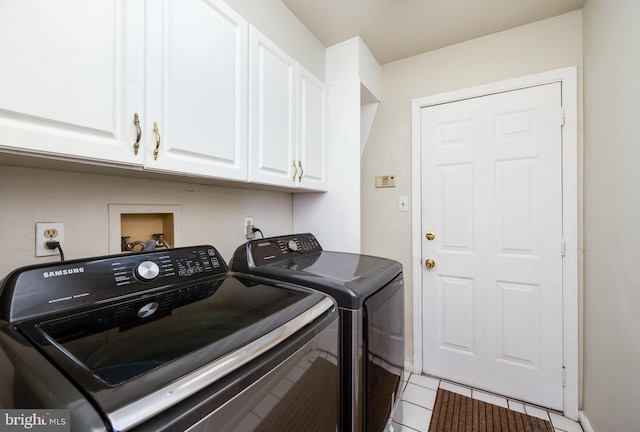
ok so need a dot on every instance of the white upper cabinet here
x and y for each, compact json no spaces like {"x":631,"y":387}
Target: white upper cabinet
{"x":273,"y":113}
{"x":287,"y":120}
{"x":312,"y":132}
{"x":162,"y":85}
{"x":78,"y":74}
{"x":71,"y":78}
{"x":197,"y":89}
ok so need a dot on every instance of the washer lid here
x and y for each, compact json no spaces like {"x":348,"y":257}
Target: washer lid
{"x":140,"y":355}
{"x":349,"y":278}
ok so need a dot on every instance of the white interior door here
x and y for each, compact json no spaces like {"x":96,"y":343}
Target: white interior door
{"x":492,"y":197}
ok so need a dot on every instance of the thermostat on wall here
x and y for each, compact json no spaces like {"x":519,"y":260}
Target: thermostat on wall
{"x":387,"y":181}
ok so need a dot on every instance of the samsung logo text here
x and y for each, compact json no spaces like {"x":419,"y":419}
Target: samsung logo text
{"x":65,"y":272}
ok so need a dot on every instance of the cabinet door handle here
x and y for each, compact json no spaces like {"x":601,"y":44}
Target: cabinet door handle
{"x":155,"y":131}
{"x":301,"y":171}
{"x":136,"y":145}
{"x":295,"y":172}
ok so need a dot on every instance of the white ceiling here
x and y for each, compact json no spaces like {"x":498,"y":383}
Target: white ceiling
{"x":395,"y":29}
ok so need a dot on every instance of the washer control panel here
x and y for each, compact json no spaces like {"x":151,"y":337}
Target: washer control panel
{"x":131,"y":269}
{"x":34,"y":290}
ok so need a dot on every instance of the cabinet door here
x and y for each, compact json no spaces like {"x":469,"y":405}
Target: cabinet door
{"x":197,"y":89}
{"x":273,"y":113}
{"x":71,"y":77}
{"x":312,"y":133}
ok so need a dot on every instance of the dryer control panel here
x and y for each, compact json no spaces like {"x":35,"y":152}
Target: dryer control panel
{"x":269,"y":250}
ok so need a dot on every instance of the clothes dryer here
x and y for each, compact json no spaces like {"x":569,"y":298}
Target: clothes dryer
{"x":369,"y":292}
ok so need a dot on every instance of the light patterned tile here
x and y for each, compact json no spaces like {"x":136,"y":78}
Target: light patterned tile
{"x":400,"y":428}
{"x":489,"y":398}
{"x":455,"y":388}
{"x":517,"y":406}
{"x":412,"y":416}
{"x":564,"y":424}
{"x":425,"y":381}
{"x":403,"y":428}
{"x":536,"y":412}
{"x":418,"y":395}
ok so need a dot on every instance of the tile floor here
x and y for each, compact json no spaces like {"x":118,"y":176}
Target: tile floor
{"x":414,"y":411}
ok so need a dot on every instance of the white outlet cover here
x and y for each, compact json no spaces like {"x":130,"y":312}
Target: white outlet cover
{"x":248,"y":220}
{"x":41,"y":227}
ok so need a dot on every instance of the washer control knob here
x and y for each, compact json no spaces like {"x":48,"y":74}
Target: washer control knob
{"x":147,"y":271}
{"x":292,"y":245}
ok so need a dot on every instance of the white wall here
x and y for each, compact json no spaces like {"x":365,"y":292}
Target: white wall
{"x":334,"y":217}
{"x":210,"y":215}
{"x":612,"y":214}
{"x":542,"y":46}
{"x":280,"y":25}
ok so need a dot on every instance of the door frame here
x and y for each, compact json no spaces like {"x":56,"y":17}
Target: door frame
{"x":568,"y":77}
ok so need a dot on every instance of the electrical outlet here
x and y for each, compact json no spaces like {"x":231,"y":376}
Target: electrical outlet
{"x":248,"y":222}
{"x":49,"y":231}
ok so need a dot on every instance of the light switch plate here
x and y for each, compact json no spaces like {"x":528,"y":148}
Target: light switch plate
{"x":403,"y":204}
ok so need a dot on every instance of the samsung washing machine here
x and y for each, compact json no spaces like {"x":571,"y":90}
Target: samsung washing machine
{"x":369,"y":292}
{"x":164,"y":341}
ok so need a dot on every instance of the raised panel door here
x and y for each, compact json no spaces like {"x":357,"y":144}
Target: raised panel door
{"x":273,"y":96}
{"x":312,"y":132}
{"x":492,"y":184}
{"x":197,"y":89}
{"x":72,"y":78}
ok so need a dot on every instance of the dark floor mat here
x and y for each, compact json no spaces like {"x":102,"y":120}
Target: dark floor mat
{"x":453,"y":412}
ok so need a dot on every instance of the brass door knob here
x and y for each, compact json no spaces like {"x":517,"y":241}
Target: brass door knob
{"x":430,"y":235}
{"x":429,"y":263}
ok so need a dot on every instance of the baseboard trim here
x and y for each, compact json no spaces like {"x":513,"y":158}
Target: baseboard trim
{"x":584,"y":422}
